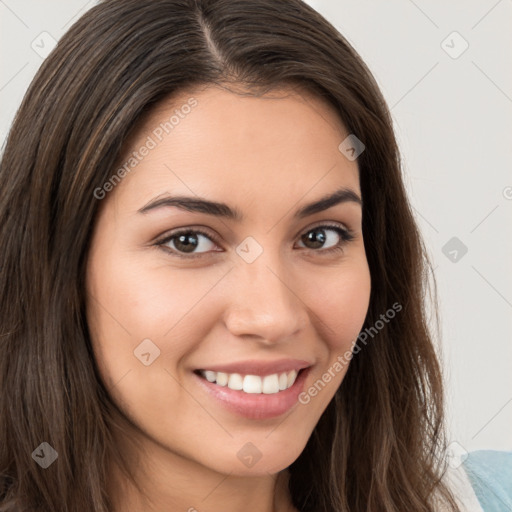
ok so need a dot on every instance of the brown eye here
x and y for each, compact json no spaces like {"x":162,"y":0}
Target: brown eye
{"x":185,"y":242}
{"x":319,"y":236}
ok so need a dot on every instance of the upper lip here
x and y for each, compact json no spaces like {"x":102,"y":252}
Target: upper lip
{"x":261,"y":368}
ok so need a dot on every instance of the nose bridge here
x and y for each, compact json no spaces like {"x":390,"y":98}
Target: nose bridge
{"x":263,"y":302}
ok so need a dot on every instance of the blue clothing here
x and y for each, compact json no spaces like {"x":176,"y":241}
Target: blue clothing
{"x":490,"y":474}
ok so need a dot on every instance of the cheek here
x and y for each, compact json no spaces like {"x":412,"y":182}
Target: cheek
{"x":340,"y":304}
{"x":144,"y":320}
{"x":341,"y":299}
{"x":132,"y":300}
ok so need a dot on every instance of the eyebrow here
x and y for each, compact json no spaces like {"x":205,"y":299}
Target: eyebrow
{"x":195,"y":204}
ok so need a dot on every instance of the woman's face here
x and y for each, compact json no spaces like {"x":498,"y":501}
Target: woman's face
{"x":180,"y":322}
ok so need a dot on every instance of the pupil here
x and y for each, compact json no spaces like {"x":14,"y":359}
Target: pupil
{"x":187,"y":247}
{"x":318,"y":239}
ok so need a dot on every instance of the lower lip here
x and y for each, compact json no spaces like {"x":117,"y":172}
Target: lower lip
{"x":256,"y":405}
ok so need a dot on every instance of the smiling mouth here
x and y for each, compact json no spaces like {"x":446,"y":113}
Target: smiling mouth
{"x":252,"y":384}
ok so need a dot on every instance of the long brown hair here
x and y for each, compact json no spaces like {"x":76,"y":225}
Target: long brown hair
{"x":380,"y":442}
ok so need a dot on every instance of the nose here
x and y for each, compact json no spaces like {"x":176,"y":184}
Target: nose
{"x":263,"y":302}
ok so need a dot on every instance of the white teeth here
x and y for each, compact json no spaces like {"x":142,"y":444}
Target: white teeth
{"x":235,"y":381}
{"x":252,"y":384}
{"x":210,"y":376}
{"x":221,"y":379}
{"x":283,"y":381}
{"x":269,"y":384}
{"x":291,"y":377}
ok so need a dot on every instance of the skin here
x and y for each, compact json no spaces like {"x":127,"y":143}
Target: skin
{"x":266,"y":156}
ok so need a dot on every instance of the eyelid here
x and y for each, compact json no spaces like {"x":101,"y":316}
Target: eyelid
{"x":324,"y":223}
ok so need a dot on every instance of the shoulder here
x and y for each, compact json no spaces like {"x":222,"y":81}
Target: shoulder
{"x":490,"y":475}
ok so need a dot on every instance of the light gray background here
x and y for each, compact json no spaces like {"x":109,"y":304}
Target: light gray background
{"x":452,"y":114}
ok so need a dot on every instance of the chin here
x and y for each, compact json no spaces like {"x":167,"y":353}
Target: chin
{"x":259,"y":457}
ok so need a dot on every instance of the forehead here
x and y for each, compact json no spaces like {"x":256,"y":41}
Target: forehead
{"x":219,"y":144}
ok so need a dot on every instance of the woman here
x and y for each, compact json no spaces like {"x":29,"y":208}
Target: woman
{"x":212,"y":281}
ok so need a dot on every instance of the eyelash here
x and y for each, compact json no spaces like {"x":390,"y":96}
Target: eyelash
{"x":346,"y":236}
